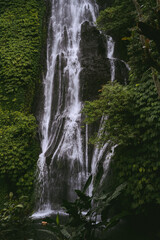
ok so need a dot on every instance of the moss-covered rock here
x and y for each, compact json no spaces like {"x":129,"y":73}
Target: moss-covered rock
{"x":22,"y":35}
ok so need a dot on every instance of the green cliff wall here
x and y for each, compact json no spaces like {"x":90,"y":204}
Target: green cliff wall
{"x":22,"y":34}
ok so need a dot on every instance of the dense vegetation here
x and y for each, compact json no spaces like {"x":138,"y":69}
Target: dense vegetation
{"x":133,"y":111}
{"x":21,"y":37}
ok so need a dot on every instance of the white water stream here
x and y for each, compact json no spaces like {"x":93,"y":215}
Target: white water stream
{"x":63,"y":164}
{"x":110,"y":54}
{"x":61,"y":120}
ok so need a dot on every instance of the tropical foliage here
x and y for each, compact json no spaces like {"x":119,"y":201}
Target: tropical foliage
{"x":18,"y":149}
{"x":87,"y":216}
{"x":14,"y":221}
{"x":133,"y":111}
{"x":21,"y":37}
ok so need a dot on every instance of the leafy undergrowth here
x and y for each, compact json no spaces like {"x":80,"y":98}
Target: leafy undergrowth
{"x":88,"y":218}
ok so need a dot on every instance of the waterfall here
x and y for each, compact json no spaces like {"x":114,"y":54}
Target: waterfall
{"x":66,"y":160}
{"x":61,"y":165}
{"x":110,"y":54}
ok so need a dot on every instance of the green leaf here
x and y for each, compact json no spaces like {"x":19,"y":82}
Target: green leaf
{"x":113,"y":221}
{"x":20,"y":206}
{"x":57,"y":219}
{"x":11,"y":195}
{"x":87,"y":184}
{"x":65,"y":233}
{"x":117,"y":192}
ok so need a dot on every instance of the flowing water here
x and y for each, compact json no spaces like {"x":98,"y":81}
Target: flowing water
{"x":63,"y":164}
{"x":110,"y":54}
{"x":104,"y":153}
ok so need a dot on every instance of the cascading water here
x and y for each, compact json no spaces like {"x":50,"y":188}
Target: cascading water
{"x":103,"y":153}
{"x":62,"y":165}
{"x":66,"y":159}
{"x":110,"y":53}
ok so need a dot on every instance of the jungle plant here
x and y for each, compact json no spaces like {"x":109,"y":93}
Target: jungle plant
{"x":133,"y":123}
{"x":88,"y":215}
{"x":21,"y":38}
{"x":14,"y":220}
{"x":18,"y":150}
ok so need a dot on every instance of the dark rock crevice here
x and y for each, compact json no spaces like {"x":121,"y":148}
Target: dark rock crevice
{"x":95,"y":64}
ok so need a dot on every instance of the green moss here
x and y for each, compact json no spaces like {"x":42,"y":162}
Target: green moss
{"x":18,"y":148}
{"x":22,"y":34}
{"x":3,"y":191}
{"x":20,"y":41}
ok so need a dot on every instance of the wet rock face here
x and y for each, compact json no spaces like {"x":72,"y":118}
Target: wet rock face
{"x":121,"y":72}
{"x":92,"y":42}
{"x":95,"y":73}
{"x":104,"y":4}
{"x":95,"y":65}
